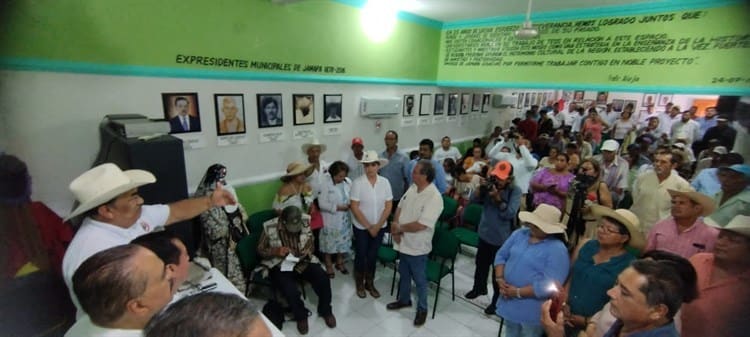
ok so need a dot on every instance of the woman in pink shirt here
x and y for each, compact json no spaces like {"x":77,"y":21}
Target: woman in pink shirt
{"x":594,"y":125}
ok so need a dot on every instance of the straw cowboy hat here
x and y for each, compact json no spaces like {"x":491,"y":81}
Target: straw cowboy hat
{"x":297,"y":168}
{"x":371,"y":157}
{"x":699,"y":198}
{"x":314,"y":142}
{"x":739,"y":224}
{"x":625,"y":217}
{"x":103,"y":183}
{"x":546,"y":217}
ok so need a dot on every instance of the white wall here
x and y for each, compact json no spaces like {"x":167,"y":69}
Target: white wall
{"x":50,"y":120}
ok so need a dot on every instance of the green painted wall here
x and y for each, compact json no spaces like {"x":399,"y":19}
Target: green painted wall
{"x":258,"y":197}
{"x":705,"y":48}
{"x":153,"y":33}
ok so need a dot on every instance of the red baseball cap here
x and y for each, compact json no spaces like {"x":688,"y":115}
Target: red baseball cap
{"x":357,"y":141}
{"x":503,"y":170}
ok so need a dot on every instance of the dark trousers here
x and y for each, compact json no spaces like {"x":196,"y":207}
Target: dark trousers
{"x":485,"y":259}
{"x":366,"y":250}
{"x":287,"y":283}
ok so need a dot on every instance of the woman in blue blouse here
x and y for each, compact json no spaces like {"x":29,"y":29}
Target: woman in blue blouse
{"x":598,"y":263}
{"x":527,"y":266}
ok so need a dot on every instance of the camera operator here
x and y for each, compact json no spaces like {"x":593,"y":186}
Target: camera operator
{"x":516,"y":151}
{"x":500,"y":200}
{"x":587,"y":188}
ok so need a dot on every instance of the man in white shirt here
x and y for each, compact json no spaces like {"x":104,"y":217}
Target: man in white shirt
{"x":446,"y":151}
{"x":115,"y":214}
{"x":559,"y":118}
{"x":609,"y":116}
{"x":614,"y":169}
{"x":352,"y":158}
{"x":120,"y":289}
{"x":665,"y":118}
{"x":651,"y":199}
{"x":686,"y":129}
{"x":412,"y":230}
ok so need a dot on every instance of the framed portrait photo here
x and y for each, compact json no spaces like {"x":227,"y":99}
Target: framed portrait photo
{"x":578,"y":95}
{"x":631,"y":101}
{"x":649,"y":99}
{"x":476,"y":102}
{"x":425,"y":104}
{"x":567,"y":95}
{"x":408,"y":105}
{"x":663,"y":100}
{"x":527,"y":100}
{"x":485,"y":103}
{"x":304,"y":109}
{"x":270,"y":111}
{"x":230,"y":114}
{"x":617,"y":105}
{"x":332,"y":112}
{"x":601,"y":97}
{"x":519,"y":102}
{"x":452,"y":104}
{"x":465,"y":103}
{"x":181,"y":110}
{"x":439,"y":104}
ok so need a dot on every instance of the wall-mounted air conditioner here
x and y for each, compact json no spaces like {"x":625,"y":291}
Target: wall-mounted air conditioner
{"x":503,"y":101}
{"x":379,"y":107}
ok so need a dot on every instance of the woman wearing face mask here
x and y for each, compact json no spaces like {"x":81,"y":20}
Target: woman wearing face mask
{"x":222,"y":228}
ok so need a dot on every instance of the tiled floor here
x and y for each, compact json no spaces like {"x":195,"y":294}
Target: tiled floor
{"x":369,"y":317}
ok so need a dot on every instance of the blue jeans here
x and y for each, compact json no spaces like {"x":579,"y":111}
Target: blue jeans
{"x":522,"y":329}
{"x":366,"y":250}
{"x":413,"y":267}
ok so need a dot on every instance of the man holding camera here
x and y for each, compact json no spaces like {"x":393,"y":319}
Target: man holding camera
{"x":500,"y":200}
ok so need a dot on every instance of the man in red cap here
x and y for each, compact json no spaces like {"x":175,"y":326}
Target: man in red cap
{"x":353,"y":159}
{"x":500,"y":200}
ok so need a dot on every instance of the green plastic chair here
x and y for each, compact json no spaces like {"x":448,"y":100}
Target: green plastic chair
{"x":450,"y":207}
{"x":256,"y":220}
{"x":386,"y":255}
{"x":442,"y":262}
{"x":247,"y":253}
{"x":472,"y":216}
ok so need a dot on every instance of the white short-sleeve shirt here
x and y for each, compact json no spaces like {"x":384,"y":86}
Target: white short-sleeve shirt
{"x":423,"y":207}
{"x":95,"y":236}
{"x":371,"y":198}
{"x":84,"y":327}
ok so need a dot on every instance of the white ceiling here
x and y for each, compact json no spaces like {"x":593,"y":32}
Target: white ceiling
{"x":457,"y":10}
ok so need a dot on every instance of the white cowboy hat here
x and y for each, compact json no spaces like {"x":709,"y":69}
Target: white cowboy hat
{"x":625,"y":217}
{"x":699,"y":198}
{"x":103,"y":183}
{"x":546,"y":217}
{"x":371,"y":157}
{"x":739,"y":224}
{"x":314,"y":142}
{"x":296,"y":168}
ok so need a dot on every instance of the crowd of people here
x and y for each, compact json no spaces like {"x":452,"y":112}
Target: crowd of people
{"x":630,"y":224}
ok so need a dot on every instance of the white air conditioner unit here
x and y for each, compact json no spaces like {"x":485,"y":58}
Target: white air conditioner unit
{"x":503,"y":101}
{"x":379,"y":107}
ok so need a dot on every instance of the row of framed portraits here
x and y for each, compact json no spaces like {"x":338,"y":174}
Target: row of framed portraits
{"x":183,"y":114}
{"x":463,"y":104}
{"x":527,"y":99}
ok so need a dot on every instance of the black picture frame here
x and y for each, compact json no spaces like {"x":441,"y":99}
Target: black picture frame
{"x":186,"y":102}
{"x":465,"y":103}
{"x":476,"y":102}
{"x":663,"y":100}
{"x":425,"y":103}
{"x":486,"y":103}
{"x":634,"y":102}
{"x":332,"y":112}
{"x":303,"y":106}
{"x":222,"y":106}
{"x":270,"y":118}
{"x":439,"y":104}
{"x":617,"y":105}
{"x":452,"y":104}
{"x":601,"y":97}
{"x":579,"y":95}
{"x":519,"y":102}
{"x":408,"y":106}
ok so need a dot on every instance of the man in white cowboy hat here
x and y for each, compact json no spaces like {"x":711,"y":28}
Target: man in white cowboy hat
{"x":313,"y":150}
{"x":115,"y":214}
{"x":289,"y":235}
{"x":651,"y":201}
{"x":412,"y":229}
{"x":723,"y":304}
{"x":352,"y":158}
{"x":684,"y":232}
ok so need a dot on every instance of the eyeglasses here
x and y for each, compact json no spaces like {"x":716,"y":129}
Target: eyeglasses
{"x":609,"y":230}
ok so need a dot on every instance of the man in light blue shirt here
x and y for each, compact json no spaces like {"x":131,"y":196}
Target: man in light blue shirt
{"x":708,"y":121}
{"x":707,"y":180}
{"x":426,"y":147}
{"x":394,"y":170}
